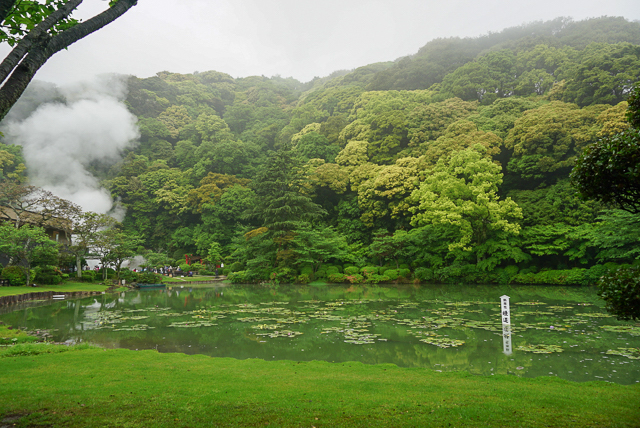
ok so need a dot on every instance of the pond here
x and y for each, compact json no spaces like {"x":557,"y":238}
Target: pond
{"x":555,"y":331}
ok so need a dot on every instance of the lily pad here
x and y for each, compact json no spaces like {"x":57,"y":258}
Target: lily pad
{"x":443,"y":342}
{"x":631,"y":353}
{"x":540,"y":348}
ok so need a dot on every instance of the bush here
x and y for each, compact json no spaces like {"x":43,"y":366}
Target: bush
{"x":303,"y":279}
{"x":354,"y":279}
{"x":505,"y":275}
{"x":48,"y":275}
{"x":15,"y":275}
{"x":238,"y":277}
{"x":149,"y":278}
{"x":337,"y":278}
{"x":620,"y":289}
{"x":128,"y":275}
{"x":404,"y":273}
{"x":225,"y":271}
{"x":111,"y":273}
{"x":351,"y":270}
{"x":424,"y":274}
{"x":88,"y":275}
{"x":575,"y":276}
{"x":392,"y":274}
{"x":184,"y":267}
{"x":236,"y":267}
{"x":321,"y":273}
{"x":307,"y":270}
{"x":196,"y":267}
{"x":375,"y":278}
{"x":369,"y":270}
{"x":284,"y":276}
{"x":331,"y":269}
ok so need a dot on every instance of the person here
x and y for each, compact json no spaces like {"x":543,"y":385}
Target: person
{"x":216,"y":272}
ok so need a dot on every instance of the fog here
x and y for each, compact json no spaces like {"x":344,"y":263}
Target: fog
{"x":66,"y":130}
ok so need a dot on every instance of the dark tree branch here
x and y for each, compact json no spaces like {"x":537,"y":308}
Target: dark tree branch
{"x":44,"y":47}
{"x":22,"y":48}
{"x":5,"y":7}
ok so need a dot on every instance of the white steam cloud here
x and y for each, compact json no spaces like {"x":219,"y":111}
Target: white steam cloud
{"x":82,"y":125}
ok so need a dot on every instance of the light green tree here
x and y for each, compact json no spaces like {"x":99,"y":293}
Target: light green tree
{"x":462,"y":192}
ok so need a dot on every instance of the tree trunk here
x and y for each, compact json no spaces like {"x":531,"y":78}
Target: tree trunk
{"x":78,"y":267}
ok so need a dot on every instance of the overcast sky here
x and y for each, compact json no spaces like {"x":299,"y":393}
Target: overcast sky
{"x":297,"y":38}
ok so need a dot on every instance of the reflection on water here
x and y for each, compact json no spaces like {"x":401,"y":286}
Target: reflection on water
{"x":553,"y":331}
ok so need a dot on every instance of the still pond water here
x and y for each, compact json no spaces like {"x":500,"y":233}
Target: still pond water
{"x":563,"y":332}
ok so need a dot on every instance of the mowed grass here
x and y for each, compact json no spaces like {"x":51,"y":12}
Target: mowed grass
{"x":65,"y":287}
{"x":123,"y":388}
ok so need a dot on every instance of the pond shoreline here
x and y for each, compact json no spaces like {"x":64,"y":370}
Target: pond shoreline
{"x":46,"y":295}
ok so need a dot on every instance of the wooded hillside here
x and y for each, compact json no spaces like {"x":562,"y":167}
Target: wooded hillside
{"x":448,"y":165}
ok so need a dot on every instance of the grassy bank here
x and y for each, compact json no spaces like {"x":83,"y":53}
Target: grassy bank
{"x":115,"y":388}
{"x":65,"y":287}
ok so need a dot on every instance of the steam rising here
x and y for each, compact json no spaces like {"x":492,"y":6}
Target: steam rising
{"x":71,"y":129}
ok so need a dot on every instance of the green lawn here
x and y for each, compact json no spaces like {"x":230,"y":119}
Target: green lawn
{"x":118,"y":388}
{"x":65,"y":287}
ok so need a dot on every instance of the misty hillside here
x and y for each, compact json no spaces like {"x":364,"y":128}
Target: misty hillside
{"x":363,"y":152}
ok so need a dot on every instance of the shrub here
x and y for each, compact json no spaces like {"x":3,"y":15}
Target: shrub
{"x":48,"y":275}
{"x":15,"y":275}
{"x":620,"y":289}
{"x":383,"y":269}
{"x":88,"y":275}
{"x":331,"y":269}
{"x":284,"y":275}
{"x":354,"y":279}
{"x":351,"y":270}
{"x":375,"y":278}
{"x":236,"y":267}
{"x":321,"y":273}
{"x":336,"y":278}
{"x":392,"y":274}
{"x":404,"y":272}
{"x":238,"y":277}
{"x":575,"y":276}
{"x":184,"y":267}
{"x":424,"y":274}
{"x":369,"y":270}
{"x":505,"y":275}
{"x":110,"y":273}
{"x":303,"y":279}
{"x":128,"y":275}
{"x":307,"y":270}
{"x":149,"y":278}
{"x":196,"y":267}
{"x":225,"y":271}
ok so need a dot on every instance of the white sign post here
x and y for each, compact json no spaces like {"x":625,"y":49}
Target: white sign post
{"x":505,"y":315}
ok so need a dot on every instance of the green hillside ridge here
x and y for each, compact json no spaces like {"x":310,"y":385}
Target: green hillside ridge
{"x":448,"y":165}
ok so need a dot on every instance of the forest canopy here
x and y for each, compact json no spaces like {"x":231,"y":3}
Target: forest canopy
{"x":448,"y":165}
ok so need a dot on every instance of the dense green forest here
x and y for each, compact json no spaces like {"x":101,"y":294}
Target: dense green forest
{"x":448,"y":165}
